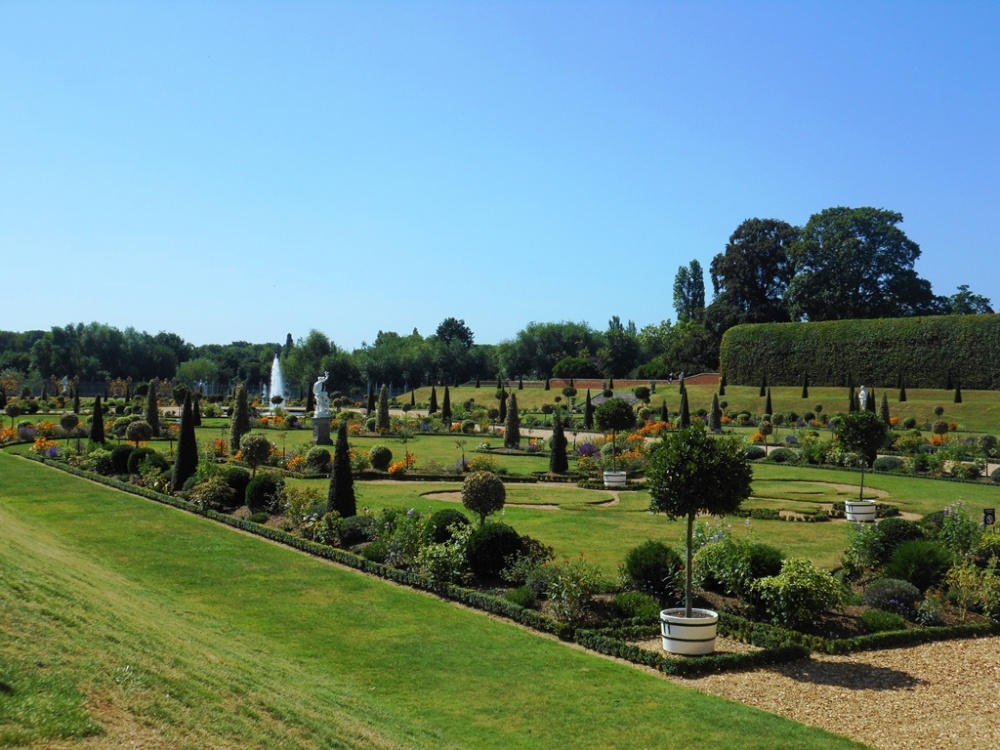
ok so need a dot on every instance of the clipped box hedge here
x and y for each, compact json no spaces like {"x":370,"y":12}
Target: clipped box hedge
{"x":925,"y":352}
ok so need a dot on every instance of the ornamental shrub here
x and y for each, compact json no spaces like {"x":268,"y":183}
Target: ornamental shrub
{"x":255,"y":450}
{"x":522,"y":596}
{"x":889,"y":463}
{"x":442,"y":524}
{"x":730,"y":564}
{"x":213,"y":494}
{"x":483,"y":492}
{"x":380,"y":457}
{"x":636,"y":605}
{"x":922,"y":562}
{"x":798,"y":595}
{"x":356,"y":529}
{"x":238,"y":478}
{"x":893,"y":595}
{"x":655,"y":569}
{"x":953,"y":527}
{"x":783,"y":456}
{"x":987,"y":550}
{"x":754,"y":452}
{"x":490,"y":547}
{"x":877,"y":621}
{"x":571,"y":587}
{"x":318,"y":460}
{"x":263,"y":493}
{"x":135,"y":457}
{"x":871,"y":545}
{"x":119,"y":458}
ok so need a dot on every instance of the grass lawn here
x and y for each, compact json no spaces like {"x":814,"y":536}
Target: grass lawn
{"x":141,"y":624}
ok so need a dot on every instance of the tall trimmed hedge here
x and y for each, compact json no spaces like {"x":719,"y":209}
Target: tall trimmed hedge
{"x":922,"y":352}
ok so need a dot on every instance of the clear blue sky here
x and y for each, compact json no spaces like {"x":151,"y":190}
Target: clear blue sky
{"x":241,"y":170}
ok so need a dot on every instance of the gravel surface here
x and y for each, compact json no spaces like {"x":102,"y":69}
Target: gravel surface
{"x":939,"y":696}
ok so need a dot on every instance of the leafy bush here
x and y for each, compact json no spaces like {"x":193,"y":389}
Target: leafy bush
{"x":447,"y":560}
{"x":636,"y":605}
{"x":888,"y":463}
{"x":783,"y":456}
{"x":655,"y":569}
{"x":877,"y":621}
{"x":986,"y":550}
{"x":213,"y":494}
{"x":921,"y":562}
{"x":871,"y":545}
{"x":893,"y":595}
{"x":263,"y":492}
{"x":99,"y":460}
{"x":798,"y":595}
{"x":119,"y":458}
{"x":730,"y":565}
{"x":571,"y":587}
{"x":146,"y":456}
{"x":318,"y":460}
{"x":522,"y":596}
{"x":754,"y":452}
{"x":238,"y":478}
{"x":380,"y":457}
{"x":376,"y":551}
{"x":953,"y":527}
{"x":260,"y":517}
{"x":356,"y":529}
{"x":440,"y":527}
{"x":490,"y":546}
{"x":483,"y":492}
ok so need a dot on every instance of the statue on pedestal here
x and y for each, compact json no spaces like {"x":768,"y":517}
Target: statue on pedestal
{"x":322,"y":398}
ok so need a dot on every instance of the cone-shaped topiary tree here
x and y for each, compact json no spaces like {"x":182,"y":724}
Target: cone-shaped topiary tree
{"x":870,"y":401}
{"x":97,"y":421}
{"x":370,"y":404}
{"x":382,"y":421}
{"x":715,"y":415}
{"x":684,"y":420}
{"x":341,"y":493}
{"x":186,"y":459}
{"x":520,"y":382}
{"x":768,"y":409}
{"x":902,"y":392}
{"x":152,"y":409}
{"x":446,"y":409}
{"x":512,"y":427}
{"x":588,"y":413}
{"x":413,"y":397}
{"x":503,"y":406}
{"x":722,"y":385}
{"x":805,"y":385}
{"x":196,"y":409}
{"x":76,"y":399}
{"x":547,"y":385}
{"x":763,"y":386}
{"x":884,"y":408}
{"x":477,"y":381}
{"x":240,"y":422}
{"x":958,"y":393}
{"x":432,"y":405}
{"x":664,"y":412}
{"x":558,"y":462}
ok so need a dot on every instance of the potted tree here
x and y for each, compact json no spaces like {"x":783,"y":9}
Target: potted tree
{"x":691,"y":472}
{"x":612,"y":416}
{"x":862,"y":432}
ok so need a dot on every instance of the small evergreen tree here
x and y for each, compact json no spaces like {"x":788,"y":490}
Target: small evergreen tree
{"x":76,"y":399}
{"x":512,"y":427}
{"x":196,"y":410}
{"x":948,"y":386}
{"x":870,"y":401}
{"x":370,"y":404}
{"x":763,"y":386}
{"x":588,"y":413}
{"x":446,"y":409}
{"x":715,"y":416}
{"x":503,"y":406}
{"x":240,"y":421}
{"x":547,"y":385}
{"x":382,"y":421}
{"x":413,"y":397}
{"x":97,"y":422}
{"x":611,"y":383}
{"x":684,"y":421}
{"x":664,"y":412}
{"x":310,"y":400}
{"x":958,"y":393}
{"x":477,"y":381}
{"x":520,"y":382}
{"x":186,"y":459}
{"x":805,"y":385}
{"x":722,"y":385}
{"x":432,"y":407}
{"x":884,"y":408}
{"x":768,"y":409}
{"x":340,"y":497}
{"x":902,"y":391}
{"x":558,"y":462}
{"x":852,"y":403}
{"x":3,"y":397}
{"x":152,"y":409}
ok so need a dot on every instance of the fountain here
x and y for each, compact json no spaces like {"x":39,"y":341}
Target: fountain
{"x":277,"y":383}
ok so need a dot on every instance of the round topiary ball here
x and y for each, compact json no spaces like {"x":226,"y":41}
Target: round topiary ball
{"x":380,"y":457}
{"x":483,"y":493}
{"x":439,"y":526}
{"x":490,"y":548}
{"x":263,"y":492}
{"x":653,"y":568}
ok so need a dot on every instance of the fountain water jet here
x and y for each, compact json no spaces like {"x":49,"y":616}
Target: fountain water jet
{"x":277,"y":383}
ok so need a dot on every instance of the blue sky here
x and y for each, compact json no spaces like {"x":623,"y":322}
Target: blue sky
{"x":241,"y":170}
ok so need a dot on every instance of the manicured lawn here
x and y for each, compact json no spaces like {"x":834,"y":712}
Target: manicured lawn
{"x":172,"y":631}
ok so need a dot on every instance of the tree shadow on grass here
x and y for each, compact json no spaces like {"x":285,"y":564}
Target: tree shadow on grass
{"x":851,"y":675}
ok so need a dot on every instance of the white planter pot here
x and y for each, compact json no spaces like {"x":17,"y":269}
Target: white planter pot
{"x":614,"y":480}
{"x":860,"y":510}
{"x":689,"y":636}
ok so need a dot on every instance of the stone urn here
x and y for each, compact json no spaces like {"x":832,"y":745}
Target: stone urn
{"x":689,"y":636}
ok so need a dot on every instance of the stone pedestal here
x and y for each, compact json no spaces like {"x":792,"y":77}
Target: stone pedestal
{"x":321,"y":431}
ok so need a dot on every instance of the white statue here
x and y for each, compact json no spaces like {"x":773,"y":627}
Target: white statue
{"x":322,"y":399}
{"x":863,"y":399}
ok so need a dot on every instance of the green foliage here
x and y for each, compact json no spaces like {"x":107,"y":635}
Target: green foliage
{"x":446,"y":560}
{"x":317,"y":460}
{"x":240,"y":424}
{"x":987,"y":550}
{"x":259,"y":517}
{"x":380,"y":457}
{"x":490,"y":547}
{"x":238,"y":478}
{"x":636,"y":605}
{"x":255,"y":450}
{"x":954,"y":528}
{"x":798,"y":595}
{"x":893,"y":595}
{"x":213,"y":494}
{"x":138,"y":432}
{"x":571,"y":587}
{"x":922,"y":562}
{"x":862,"y":432}
{"x":922,"y":350}
{"x":731,"y":564}
{"x":263,"y":493}
{"x":483,"y":492}
{"x":522,"y":596}
{"x":442,"y":524}
{"x":558,"y":461}
{"x":356,"y":530}
{"x":186,"y":459}
{"x":877,"y":621}
{"x":340,"y":496}
{"x":382,"y":421}
{"x":754,"y":452}
{"x":119,"y":458}
{"x":97,"y":422}
{"x":152,"y":410}
{"x":512,"y":425}
{"x":783,"y":456}
{"x":655,"y":569}
{"x":888,"y":463}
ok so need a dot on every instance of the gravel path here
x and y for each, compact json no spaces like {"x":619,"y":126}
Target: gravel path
{"x":939,"y":696}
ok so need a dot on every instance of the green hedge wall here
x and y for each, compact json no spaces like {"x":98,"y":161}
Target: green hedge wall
{"x":924,"y":352}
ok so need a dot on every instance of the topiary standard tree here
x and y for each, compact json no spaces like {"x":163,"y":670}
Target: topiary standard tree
{"x":432,"y":405}
{"x":512,"y":427}
{"x":152,"y":409}
{"x":484,"y":493}
{"x":588,"y":413}
{"x":558,"y":462}
{"x":138,"y":432}
{"x":240,"y":422}
{"x":862,"y":432}
{"x":13,"y":410}
{"x":97,"y":422}
{"x":690,"y":473}
{"x":340,"y":496}
{"x":382,"y":420}
{"x":69,"y":422}
{"x":612,"y":416}
{"x":255,"y":450}
{"x":446,"y":409}
{"x":186,"y":459}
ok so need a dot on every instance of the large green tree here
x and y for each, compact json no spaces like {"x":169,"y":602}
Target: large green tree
{"x":965,"y":302}
{"x":857,"y":263}
{"x":689,"y":292}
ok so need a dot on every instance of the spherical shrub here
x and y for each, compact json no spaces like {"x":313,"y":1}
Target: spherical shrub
{"x":783,"y":456}
{"x":438,"y":529}
{"x":654,"y":568}
{"x":146,"y":456}
{"x":356,"y":529}
{"x":483,"y":492}
{"x":909,"y":423}
{"x":754,"y":452}
{"x":888,"y":463}
{"x":893,"y":595}
{"x":119,"y":458}
{"x":263,"y":492}
{"x":636,"y":605}
{"x":238,"y":478}
{"x":380,"y":457}
{"x":490,"y":547}
{"x":921,"y":562}
{"x":876,"y":621}
{"x":261,"y":517}
{"x":798,"y":595}
{"x":318,"y":460}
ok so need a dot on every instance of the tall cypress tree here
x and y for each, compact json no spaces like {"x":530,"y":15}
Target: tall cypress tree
{"x":186,"y":459}
{"x":763,"y":386}
{"x":520,"y":382}
{"x":97,"y":421}
{"x":558,"y":462}
{"x":446,"y":409}
{"x":547,"y":385}
{"x":3,"y":398}
{"x":852,"y":401}
{"x":805,"y":385}
{"x":512,"y":427}
{"x":477,"y":381}
{"x":76,"y":398}
{"x":884,"y":408}
{"x":722,"y":385}
{"x":588,"y":413}
{"x":768,"y":409}
{"x":310,"y":399}
{"x":382,"y":421}
{"x":152,"y":409}
{"x":196,"y":408}
{"x":340,"y":496}
{"x":240,"y":422}
{"x":870,"y":401}
{"x":413,"y":397}
{"x":664,"y":412}
{"x":958,"y":392}
{"x":902,"y":391}
{"x":685,"y":419}
{"x":715,"y":416}
{"x":503,"y":406}
{"x":432,"y":407}
{"x":370,"y":404}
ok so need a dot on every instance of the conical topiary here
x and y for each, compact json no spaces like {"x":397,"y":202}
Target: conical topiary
{"x":340,"y":496}
{"x":558,"y":462}
{"x":186,"y":460}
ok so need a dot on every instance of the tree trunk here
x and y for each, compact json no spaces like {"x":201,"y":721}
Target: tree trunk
{"x":687,"y":566}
